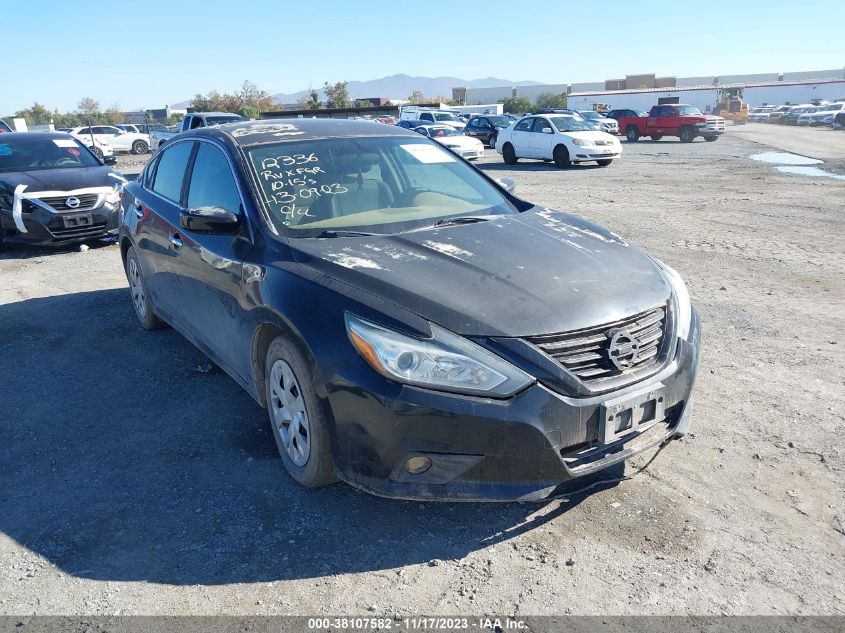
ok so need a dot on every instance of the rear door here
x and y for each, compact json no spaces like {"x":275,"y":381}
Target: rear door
{"x":154,"y":219}
{"x":208,"y":270}
{"x":521,"y":137}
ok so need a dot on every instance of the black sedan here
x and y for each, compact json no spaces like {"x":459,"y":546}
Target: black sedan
{"x":54,"y":190}
{"x":412,"y":327}
{"x":486,"y":128}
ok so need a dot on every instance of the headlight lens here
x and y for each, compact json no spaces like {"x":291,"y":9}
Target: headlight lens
{"x":445,"y":361}
{"x":679,"y":289}
{"x":581,"y":142}
{"x":113,"y":196}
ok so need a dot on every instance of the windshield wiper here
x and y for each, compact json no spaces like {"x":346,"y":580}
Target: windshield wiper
{"x":345,"y":234}
{"x":466,"y":219}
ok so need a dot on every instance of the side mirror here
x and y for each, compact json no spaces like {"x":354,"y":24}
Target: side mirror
{"x":547,"y":130}
{"x":508,"y":184}
{"x":109,"y":160}
{"x":209,"y":220}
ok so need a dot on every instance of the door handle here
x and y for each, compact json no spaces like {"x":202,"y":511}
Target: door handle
{"x":139,"y":211}
{"x":176,"y":240}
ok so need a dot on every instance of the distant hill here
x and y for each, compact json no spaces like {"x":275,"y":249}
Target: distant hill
{"x":402,"y":86}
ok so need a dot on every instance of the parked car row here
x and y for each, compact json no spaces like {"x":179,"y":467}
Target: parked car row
{"x":823,"y":114}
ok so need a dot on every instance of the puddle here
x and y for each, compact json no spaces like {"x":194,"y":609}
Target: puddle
{"x":808,"y":171}
{"x":784,"y":158}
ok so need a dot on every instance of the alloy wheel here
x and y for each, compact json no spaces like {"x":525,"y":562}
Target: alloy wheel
{"x":289,"y":414}
{"x":136,"y":285}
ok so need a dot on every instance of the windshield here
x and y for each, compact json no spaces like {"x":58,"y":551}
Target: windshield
{"x":589,"y":114}
{"x":500,"y":121}
{"x":372,"y":184}
{"x":571,"y":124}
{"x":445,"y":116}
{"x":43,"y":153}
{"x":437,"y":132}
{"x":220,"y":120}
{"x":688,"y":111}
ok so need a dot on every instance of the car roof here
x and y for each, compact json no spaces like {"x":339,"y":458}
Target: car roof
{"x":251,"y":133}
{"x":35,"y":136}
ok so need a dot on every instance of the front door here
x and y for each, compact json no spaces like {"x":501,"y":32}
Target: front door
{"x":542,"y":139}
{"x":521,"y":137}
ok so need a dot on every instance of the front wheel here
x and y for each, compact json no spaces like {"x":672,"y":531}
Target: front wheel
{"x":632,"y":134}
{"x":561,"y":157}
{"x":491,"y":141}
{"x":140,"y":147}
{"x":140,"y":295}
{"x":604,"y":162}
{"x":297,"y":417}
{"x":656,"y":137}
{"x":687,"y":135}
{"x":509,"y":155}
{"x":97,"y":152}
{"x":710,"y":139}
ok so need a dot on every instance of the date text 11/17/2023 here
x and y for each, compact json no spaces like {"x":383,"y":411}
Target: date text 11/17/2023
{"x":417,"y":623}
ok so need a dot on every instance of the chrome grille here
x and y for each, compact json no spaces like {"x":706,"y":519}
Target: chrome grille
{"x":586,"y":353}
{"x":87,"y":201}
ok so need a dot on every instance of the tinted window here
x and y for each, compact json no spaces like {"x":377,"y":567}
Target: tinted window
{"x":29,"y":153}
{"x":425,"y":116}
{"x":212,"y":181}
{"x":524,"y":125}
{"x":170,"y":172}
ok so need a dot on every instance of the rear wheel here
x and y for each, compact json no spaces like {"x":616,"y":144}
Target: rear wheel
{"x":656,"y":137}
{"x":140,"y":147}
{"x":491,"y":141}
{"x":605,"y":162}
{"x":710,"y":139}
{"x":561,"y":157}
{"x":632,"y":133}
{"x":140,"y":295}
{"x":687,"y":135}
{"x":509,"y":155}
{"x":297,"y":417}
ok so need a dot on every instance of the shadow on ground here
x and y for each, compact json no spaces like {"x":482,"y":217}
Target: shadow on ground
{"x":122,"y":461}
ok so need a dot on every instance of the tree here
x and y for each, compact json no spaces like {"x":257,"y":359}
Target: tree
{"x":114,"y":115}
{"x":363,"y":103}
{"x":88,"y":105}
{"x":516,"y":105}
{"x":36,"y":114}
{"x":337,"y":96}
{"x":417,"y":97}
{"x":249,"y":95}
{"x":550,"y":100}
{"x":313,"y":102}
{"x":249,"y":111}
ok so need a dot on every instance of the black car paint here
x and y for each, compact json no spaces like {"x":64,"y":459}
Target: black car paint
{"x":40,"y":223}
{"x":232,"y":294}
{"x":481,"y":128}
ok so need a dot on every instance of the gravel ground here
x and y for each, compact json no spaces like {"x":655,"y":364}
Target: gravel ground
{"x":134,"y":482}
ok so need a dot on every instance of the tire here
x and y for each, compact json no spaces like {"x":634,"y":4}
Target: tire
{"x":491,"y":141}
{"x":561,"y":157}
{"x":97,"y":152}
{"x":687,"y":135}
{"x":509,"y":155}
{"x":297,"y":417}
{"x":632,"y":133}
{"x":710,"y":139}
{"x":141,"y":301}
{"x":656,"y":137}
{"x":604,"y":162}
{"x":140,"y":147}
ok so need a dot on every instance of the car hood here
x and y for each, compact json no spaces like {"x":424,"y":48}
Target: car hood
{"x":537,"y":272}
{"x":59,"y":179}
{"x":461,"y":141}
{"x":591,"y":135}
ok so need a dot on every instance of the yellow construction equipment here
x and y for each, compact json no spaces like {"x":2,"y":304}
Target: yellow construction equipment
{"x":732,"y":106}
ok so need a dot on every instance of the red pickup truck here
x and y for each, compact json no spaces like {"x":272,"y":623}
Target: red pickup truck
{"x":684,"y":121}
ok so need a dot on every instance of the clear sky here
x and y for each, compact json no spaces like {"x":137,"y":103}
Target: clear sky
{"x":148,"y":53}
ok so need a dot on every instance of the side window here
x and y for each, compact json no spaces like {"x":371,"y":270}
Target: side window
{"x":170,"y":172}
{"x":524,"y":125}
{"x":484,"y":123}
{"x":426,"y":116}
{"x":473,"y":122}
{"x":539,"y":124}
{"x":212,"y":181}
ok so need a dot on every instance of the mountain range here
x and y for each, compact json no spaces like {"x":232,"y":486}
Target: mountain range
{"x":399,"y":87}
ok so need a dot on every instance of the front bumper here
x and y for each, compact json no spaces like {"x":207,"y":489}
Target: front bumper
{"x":523,"y":448}
{"x":469,"y":154}
{"x":44,"y":227}
{"x":596,"y":153}
{"x":710,"y":129}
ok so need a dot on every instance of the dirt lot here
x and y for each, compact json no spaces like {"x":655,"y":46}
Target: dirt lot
{"x":134,"y":484}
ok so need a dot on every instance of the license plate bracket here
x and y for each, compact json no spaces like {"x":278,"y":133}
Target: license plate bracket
{"x":631,"y":413}
{"x":77,"y":221}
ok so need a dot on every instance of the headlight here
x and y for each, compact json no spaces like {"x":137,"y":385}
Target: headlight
{"x":581,"y":142}
{"x":113,"y":196}
{"x":679,"y":289}
{"x":445,"y":361}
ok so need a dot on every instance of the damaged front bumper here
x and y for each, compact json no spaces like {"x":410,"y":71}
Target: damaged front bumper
{"x":410,"y":443}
